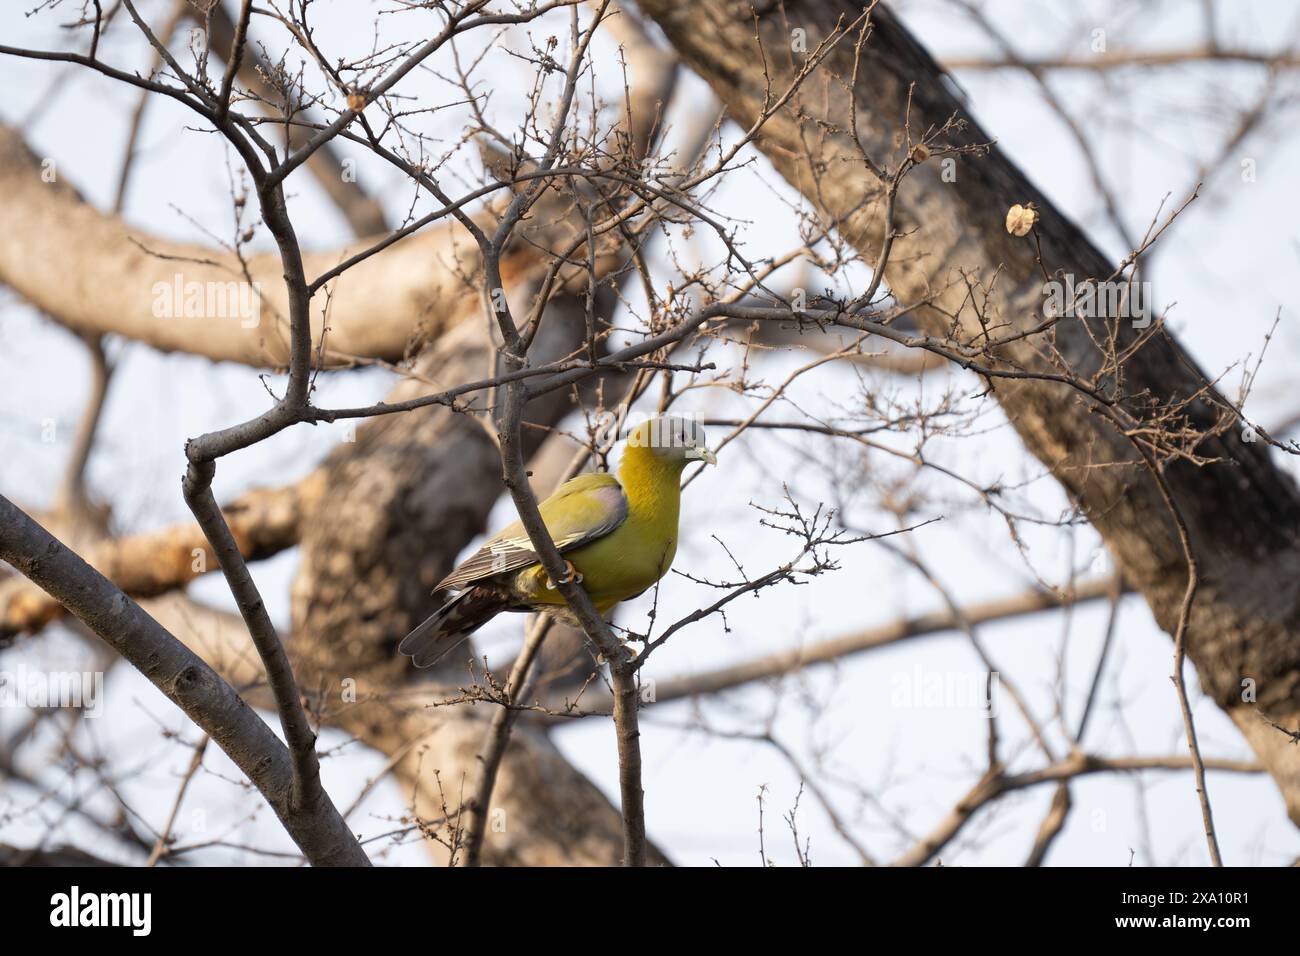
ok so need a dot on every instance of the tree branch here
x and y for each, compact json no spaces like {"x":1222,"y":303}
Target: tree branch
{"x":184,"y":678}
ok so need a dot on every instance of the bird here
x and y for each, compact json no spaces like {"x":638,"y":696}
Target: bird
{"x":617,"y":534}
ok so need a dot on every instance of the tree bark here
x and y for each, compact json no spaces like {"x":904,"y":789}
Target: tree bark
{"x":1241,"y":511}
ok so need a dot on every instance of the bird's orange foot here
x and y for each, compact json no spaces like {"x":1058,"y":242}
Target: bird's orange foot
{"x":571,"y":574}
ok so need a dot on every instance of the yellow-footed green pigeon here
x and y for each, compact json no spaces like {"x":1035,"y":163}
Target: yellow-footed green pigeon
{"x":618,"y":536}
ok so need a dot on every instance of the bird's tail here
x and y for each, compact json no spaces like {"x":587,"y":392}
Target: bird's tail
{"x":448,"y":627}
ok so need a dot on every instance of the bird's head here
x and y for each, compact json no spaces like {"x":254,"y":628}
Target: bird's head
{"x":671,"y":439}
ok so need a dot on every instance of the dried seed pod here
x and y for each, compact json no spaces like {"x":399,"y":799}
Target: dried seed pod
{"x":1020,"y":219}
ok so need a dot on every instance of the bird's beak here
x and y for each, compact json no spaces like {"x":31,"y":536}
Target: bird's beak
{"x":702,"y":454}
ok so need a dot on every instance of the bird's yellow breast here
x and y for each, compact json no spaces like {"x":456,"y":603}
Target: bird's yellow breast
{"x":636,"y":554}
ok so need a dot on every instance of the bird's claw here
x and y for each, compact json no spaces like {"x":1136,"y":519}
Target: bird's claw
{"x":571,"y":575}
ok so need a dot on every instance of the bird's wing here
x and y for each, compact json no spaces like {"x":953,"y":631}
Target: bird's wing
{"x":581,"y":510}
